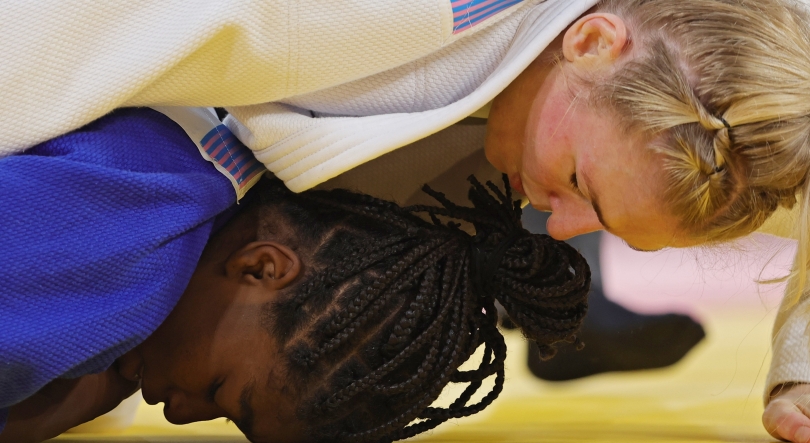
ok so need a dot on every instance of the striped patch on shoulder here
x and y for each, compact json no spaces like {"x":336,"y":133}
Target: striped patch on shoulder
{"x":234,"y":159}
{"x":468,"y":13}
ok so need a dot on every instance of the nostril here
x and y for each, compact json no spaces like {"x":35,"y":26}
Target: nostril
{"x":130,"y":366}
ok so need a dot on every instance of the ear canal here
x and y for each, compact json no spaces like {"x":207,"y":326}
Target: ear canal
{"x":255,"y":269}
{"x":285,"y":266}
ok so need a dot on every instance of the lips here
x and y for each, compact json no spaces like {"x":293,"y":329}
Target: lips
{"x":137,"y":375}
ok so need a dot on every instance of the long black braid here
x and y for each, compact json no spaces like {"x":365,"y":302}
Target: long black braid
{"x":391,"y":305}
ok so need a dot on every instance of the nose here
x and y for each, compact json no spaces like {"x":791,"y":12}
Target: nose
{"x":566,"y":223}
{"x":130,"y":365}
{"x":182,"y":408}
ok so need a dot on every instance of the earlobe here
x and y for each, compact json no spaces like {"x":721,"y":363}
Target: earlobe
{"x":264,"y":263}
{"x":598,"y":38}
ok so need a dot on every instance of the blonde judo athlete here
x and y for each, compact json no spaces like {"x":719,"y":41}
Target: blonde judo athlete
{"x":704,"y":102}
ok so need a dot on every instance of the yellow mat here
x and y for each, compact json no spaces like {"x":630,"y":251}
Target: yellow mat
{"x":714,"y":395}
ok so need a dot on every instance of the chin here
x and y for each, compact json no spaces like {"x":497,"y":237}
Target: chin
{"x":556,"y":232}
{"x":172,"y":418}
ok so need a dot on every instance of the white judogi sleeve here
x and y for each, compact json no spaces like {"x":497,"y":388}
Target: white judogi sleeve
{"x":790,"y":362}
{"x":791,"y":346}
{"x":305,"y":149}
{"x":68,"y":62}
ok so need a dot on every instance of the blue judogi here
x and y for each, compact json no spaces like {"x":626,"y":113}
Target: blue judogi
{"x":101,"y":231}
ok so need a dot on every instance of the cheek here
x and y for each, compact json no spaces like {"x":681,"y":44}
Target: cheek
{"x":167,"y":362}
{"x":179,"y":356}
{"x":549,"y":153}
{"x":537,"y":168}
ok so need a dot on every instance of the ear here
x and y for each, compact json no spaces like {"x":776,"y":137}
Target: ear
{"x":595,"y":39}
{"x":264,"y":263}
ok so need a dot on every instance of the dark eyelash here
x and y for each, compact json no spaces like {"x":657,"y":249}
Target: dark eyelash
{"x":574,"y":182}
{"x":212,"y":391}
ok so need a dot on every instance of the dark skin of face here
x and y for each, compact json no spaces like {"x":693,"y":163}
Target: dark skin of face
{"x":213,"y":356}
{"x":65,"y":403}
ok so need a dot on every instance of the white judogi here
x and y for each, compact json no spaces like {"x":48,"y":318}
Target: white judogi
{"x":315,"y":88}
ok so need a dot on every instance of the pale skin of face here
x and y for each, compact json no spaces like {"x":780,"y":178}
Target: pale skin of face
{"x":574,"y":160}
{"x":540,"y":133}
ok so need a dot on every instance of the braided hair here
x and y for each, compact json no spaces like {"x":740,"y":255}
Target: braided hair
{"x":393,"y":300}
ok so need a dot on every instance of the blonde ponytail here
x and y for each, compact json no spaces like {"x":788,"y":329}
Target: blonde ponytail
{"x":722,"y":89}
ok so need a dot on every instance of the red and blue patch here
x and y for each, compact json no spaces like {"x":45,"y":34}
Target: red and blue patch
{"x":234,"y":158}
{"x":469,"y":13}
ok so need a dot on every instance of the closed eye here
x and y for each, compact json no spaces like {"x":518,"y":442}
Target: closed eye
{"x":575,"y":184}
{"x":212,"y":391}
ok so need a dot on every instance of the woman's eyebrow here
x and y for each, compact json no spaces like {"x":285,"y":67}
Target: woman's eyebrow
{"x":246,"y":413}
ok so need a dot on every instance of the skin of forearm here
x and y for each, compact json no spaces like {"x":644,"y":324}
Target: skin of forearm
{"x":37,"y":418}
{"x":64,"y":404}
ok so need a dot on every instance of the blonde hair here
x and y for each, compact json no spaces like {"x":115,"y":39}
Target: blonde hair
{"x":722,"y":88}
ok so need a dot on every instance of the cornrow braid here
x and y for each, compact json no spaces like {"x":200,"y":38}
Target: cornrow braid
{"x":394,"y":300}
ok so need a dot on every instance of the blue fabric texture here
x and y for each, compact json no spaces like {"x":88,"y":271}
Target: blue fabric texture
{"x":102,"y":229}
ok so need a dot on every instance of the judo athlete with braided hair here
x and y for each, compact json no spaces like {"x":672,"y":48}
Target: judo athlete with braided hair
{"x":702,"y":101}
{"x":320,"y":316}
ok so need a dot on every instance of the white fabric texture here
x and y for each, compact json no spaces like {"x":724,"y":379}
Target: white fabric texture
{"x":68,"y":62}
{"x":395,"y":66}
{"x":790,"y":360}
{"x":790,"y":341}
{"x":304,"y":151}
{"x":431,"y":82}
{"x":443,"y":160}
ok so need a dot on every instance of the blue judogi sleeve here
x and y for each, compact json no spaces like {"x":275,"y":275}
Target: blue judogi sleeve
{"x":101,"y":231}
